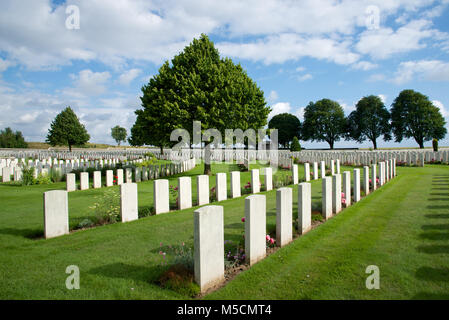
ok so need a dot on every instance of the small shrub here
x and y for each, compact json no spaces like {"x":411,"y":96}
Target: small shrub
{"x":435,"y":145}
{"x":180,"y":279}
{"x":107,"y":209}
{"x":86,"y":223}
{"x":146,"y":212}
{"x":43,"y":179}
{"x":28,"y":176}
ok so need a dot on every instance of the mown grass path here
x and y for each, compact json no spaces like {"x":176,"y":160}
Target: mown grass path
{"x":403,"y":228}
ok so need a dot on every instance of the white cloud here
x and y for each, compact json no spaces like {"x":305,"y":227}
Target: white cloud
{"x":33,"y":32}
{"x":5,"y":64}
{"x":440,"y":106}
{"x":364,"y":65}
{"x":273,"y":96}
{"x":305,"y":77}
{"x":382,"y":97}
{"x":376,"y":77}
{"x":432,"y":70}
{"x":128,"y":76}
{"x":278,"y":108}
{"x":384,"y":42}
{"x":285,"y":47}
{"x":88,"y":83}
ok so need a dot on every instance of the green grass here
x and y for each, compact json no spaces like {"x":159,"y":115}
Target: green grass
{"x":403,"y":228}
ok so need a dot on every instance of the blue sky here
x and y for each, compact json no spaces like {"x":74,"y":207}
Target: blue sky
{"x":297,"y":52}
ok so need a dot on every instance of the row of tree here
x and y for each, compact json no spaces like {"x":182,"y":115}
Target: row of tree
{"x":412,"y":116}
{"x":11,"y":139}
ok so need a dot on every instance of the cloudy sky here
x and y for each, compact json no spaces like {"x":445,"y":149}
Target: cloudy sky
{"x":297,"y":51}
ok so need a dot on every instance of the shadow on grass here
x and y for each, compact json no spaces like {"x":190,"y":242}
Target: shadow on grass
{"x":435,"y":249}
{"x":126,"y":271}
{"x":433,"y":274}
{"x":438,"y":207}
{"x":439,"y":194}
{"x":437,"y":216}
{"x":435,"y":227}
{"x":434,"y":236}
{"x":438,"y":199}
{"x":26,"y":233}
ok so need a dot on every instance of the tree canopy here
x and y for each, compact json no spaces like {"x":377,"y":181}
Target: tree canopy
{"x":324,"y":120}
{"x":10,"y":139}
{"x":66,"y":130}
{"x":295,"y":146}
{"x":288,"y":126}
{"x":369,"y":120}
{"x":118,"y":134}
{"x":414,"y":116}
{"x":198,"y":85}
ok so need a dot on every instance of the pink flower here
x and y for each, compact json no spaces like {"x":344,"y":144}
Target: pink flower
{"x":268,"y":237}
{"x":343,"y":195}
{"x":370,"y":181}
{"x":272,"y":241}
{"x":343,"y":201}
{"x":243,"y":219}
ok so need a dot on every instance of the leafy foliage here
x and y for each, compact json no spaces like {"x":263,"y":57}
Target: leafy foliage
{"x":370,"y":120}
{"x":10,"y":139}
{"x":67,"y":130}
{"x":414,"y":116}
{"x":197,"y":85}
{"x":118,"y":134}
{"x":295,"y":145}
{"x":288,"y":126}
{"x":324,"y":120}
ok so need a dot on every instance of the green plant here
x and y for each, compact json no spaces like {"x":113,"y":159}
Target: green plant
{"x":28,"y":176}
{"x":146,"y":211}
{"x":43,"y":179}
{"x":435,"y":144}
{"x":107,"y":208}
{"x":295,"y":146}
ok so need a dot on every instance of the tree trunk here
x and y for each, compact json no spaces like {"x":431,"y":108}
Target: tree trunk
{"x":375,"y":144}
{"x":70,"y":148}
{"x":331,"y":145}
{"x":421,"y":145}
{"x":162,"y":149}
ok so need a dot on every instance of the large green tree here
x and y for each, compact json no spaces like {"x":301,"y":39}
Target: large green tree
{"x":324,"y":120}
{"x":67,"y":130}
{"x":369,"y":120}
{"x":11,"y":139}
{"x":118,"y":134}
{"x":198,"y":85}
{"x":414,"y":116}
{"x":288,"y":126}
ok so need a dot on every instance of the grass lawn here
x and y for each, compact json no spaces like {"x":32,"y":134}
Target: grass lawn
{"x":403,"y":228}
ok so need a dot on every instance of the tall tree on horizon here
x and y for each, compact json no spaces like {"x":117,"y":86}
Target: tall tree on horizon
{"x":414,"y":116}
{"x":369,"y":120}
{"x":67,"y":130}
{"x":198,"y":85}
{"x":324,"y":120}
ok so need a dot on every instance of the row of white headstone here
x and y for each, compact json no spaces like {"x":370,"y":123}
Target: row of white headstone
{"x":56,"y":223}
{"x":209,"y":226}
{"x":126,"y":175}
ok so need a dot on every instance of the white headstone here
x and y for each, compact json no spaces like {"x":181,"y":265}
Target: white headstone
{"x":56,"y":213}
{"x":304,"y":207}
{"x":336,"y":193}
{"x":255,"y":228}
{"x":326,"y":201}
{"x":202,"y":189}
{"x":221,"y":188}
{"x":185,"y":192}
{"x":284,"y":216}
{"x":235,"y":184}
{"x":208,"y":246}
{"x":70,"y":182}
{"x":161,"y":196}
{"x":255,"y":182}
{"x":356,"y":190}
{"x":128,"y":202}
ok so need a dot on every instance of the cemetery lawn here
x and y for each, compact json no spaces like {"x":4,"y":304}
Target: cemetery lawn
{"x":403,"y":228}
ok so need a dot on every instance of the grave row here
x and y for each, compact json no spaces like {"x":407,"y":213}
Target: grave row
{"x":209,"y":227}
